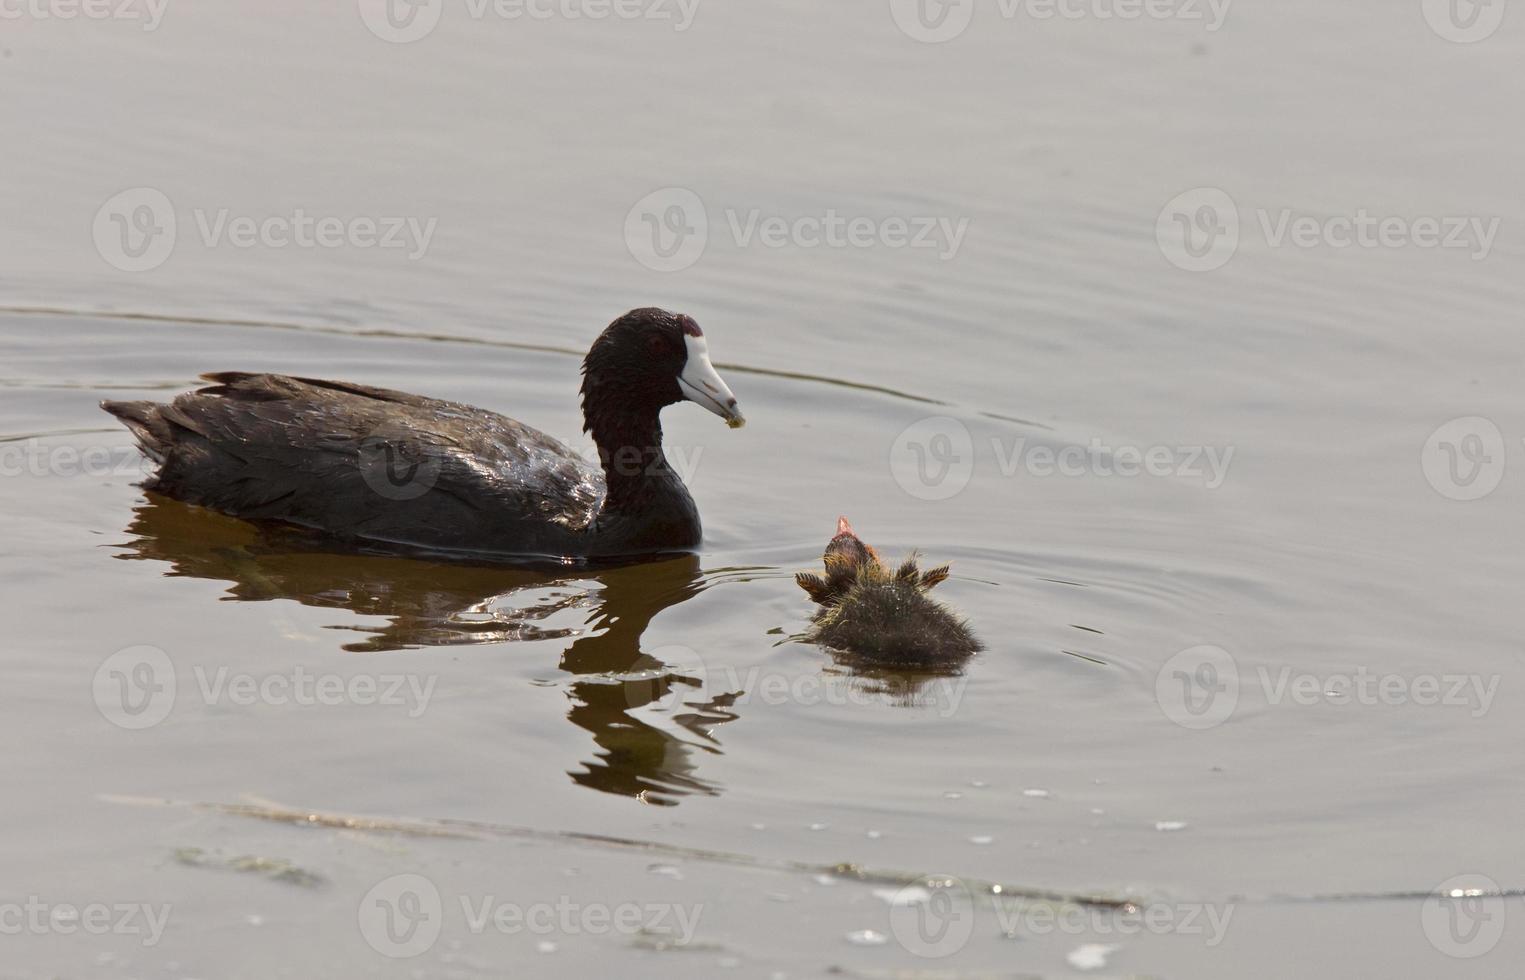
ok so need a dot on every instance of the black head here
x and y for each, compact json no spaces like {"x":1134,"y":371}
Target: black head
{"x":649,"y":359}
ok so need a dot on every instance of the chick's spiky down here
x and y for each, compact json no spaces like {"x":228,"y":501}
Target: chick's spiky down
{"x":884,"y":614}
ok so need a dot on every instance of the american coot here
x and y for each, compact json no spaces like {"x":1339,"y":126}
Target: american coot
{"x":372,"y":465}
{"x":883,"y":615}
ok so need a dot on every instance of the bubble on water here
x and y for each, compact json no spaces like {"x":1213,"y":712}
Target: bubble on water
{"x":978,"y":783}
{"x":867,"y":937}
{"x":819,"y":826}
{"x":666,"y":871}
{"x":1169,"y":826}
{"x":909,"y":895}
{"x":982,"y":839}
{"x":1037,"y":794}
{"x":825,"y":880}
{"x":873,"y":835}
{"x":546,"y":946}
{"x":953,"y":795}
{"x":1091,"y":956}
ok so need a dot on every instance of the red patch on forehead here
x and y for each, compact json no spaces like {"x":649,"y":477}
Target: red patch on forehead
{"x":689,"y":326}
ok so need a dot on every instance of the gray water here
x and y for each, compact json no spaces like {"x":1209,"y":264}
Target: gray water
{"x":1266,"y":690}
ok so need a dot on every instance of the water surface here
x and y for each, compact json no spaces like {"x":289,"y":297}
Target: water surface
{"x":669,"y":703}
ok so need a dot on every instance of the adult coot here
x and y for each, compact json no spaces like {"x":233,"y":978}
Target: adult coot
{"x":879,"y":614}
{"x":369,"y":464}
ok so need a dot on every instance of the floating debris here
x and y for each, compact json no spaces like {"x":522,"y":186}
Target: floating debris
{"x":665,"y":942}
{"x":276,"y":869}
{"x":480,"y":830}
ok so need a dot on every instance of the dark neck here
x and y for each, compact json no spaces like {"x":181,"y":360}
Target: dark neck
{"x":629,"y":441}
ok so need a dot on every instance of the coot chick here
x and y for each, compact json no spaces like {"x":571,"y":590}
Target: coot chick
{"x":373,"y":465}
{"x":879,"y":614}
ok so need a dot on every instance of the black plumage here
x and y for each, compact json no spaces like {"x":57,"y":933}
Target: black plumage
{"x":370,"y":464}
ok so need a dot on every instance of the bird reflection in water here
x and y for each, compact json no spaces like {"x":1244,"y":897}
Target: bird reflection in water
{"x":428,"y":603}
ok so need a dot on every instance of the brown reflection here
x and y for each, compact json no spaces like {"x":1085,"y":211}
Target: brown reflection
{"x":638,"y":759}
{"x":937,"y":688}
{"x":427,"y":602}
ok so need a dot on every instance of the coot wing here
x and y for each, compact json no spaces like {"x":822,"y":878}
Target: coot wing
{"x":368,"y":463}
